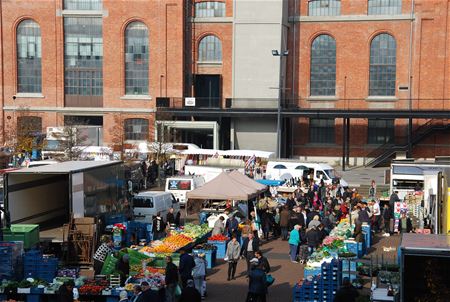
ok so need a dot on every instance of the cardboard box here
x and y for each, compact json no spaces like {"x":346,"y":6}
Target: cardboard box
{"x":86,"y":229}
{"x":84,"y":220}
{"x":87,"y":272}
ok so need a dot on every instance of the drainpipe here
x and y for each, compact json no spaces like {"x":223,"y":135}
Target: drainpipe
{"x":410,"y":124}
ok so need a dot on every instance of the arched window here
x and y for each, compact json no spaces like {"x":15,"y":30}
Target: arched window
{"x":383,"y":59}
{"x":209,"y":9}
{"x":324,"y":7}
{"x":384,"y":7}
{"x":136,"y":59}
{"x":29,"y":69}
{"x":136,"y":129}
{"x":210,"y":49}
{"x":323,"y":66}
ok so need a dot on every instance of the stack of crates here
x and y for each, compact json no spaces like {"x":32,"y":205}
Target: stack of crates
{"x":355,"y":248}
{"x":309,"y":290}
{"x":331,"y":279}
{"x":6,"y":261}
{"x":40,"y":267}
{"x":349,"y":269}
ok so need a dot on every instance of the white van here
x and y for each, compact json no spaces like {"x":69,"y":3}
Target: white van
{"x":180,"y":185}
{"x":148,"y":204}
{"x":277,"y":170}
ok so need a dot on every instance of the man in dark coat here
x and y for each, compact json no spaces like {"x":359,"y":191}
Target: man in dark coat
{"x":190,"y":293}
{"x":148,"y":294}
{"x":187,"y":263}
{"x":313,"y":239}
{"x":257,"y":286}
{"x":284,"y":222}
{"x":249,"y":247}
{"x":263,"y":263}
{"x":310,"y":215}
{"x":171,"y":279}
{"x":158,"y":227}
{"x":65,"y":293}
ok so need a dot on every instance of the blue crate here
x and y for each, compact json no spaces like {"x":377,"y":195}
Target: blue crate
{"x":355,"y":247}
{"x":349,"y":265}
{"x":349,"y":276}
{"x":113,"y":219}
{"x":221,"y":248}
{"x":367,"y":234}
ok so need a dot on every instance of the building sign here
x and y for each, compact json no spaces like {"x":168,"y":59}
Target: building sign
{"x":189,"y":102}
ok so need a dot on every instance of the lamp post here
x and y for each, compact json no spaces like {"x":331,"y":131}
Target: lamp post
{"x":281,"y":54}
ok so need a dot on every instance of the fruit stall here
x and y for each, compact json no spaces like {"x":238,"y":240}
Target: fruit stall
{"x":41,"y":275}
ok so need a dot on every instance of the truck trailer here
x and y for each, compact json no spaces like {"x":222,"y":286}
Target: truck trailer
{"x":49,"y":195}
{"x":424,"y":268}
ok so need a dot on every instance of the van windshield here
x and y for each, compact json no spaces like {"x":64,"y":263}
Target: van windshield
{"x":331,"y":173}
{"x":179,"y":184}
{"x":142,"y":202}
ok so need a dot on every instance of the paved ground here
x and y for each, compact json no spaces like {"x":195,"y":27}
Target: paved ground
{"x":284,"y":271}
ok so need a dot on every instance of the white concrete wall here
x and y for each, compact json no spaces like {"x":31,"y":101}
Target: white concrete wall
{"x":255,"y":134}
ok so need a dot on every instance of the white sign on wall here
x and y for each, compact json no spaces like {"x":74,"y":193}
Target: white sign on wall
{"x":190,"y":102}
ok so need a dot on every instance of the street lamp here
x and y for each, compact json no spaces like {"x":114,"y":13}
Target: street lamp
{"x":281,"y":54}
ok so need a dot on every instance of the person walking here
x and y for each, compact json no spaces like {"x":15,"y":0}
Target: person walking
{"x":232,"y":256}
{"x":187,"y":263}
{"x":257,"y":285}
{"x":387,"y":215}
{"x":284,"y":222}
{"x":294,"y":242}
{"x":263,"y":262}
{"x":199,"y":273}
{"x":171,"y":279}
{"x":249,"y":247}
{"x":376,"y":216}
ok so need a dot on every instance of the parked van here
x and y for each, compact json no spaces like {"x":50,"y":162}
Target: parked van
{"x":277,"y":170}
{"x":180,"y":185}
{"x":147,"y":204}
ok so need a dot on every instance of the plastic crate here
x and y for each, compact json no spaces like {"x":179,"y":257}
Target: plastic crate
{"x":221,"y":248}
{"x":28,"y":233}
{"x":311,"y":272}
{"x":349,"y":265}
{"x":367,"y":234}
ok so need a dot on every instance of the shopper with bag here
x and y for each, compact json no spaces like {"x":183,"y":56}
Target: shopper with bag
{"x":232,"y":256}
{"x":257,"y":285}
{"x":249,"y":247}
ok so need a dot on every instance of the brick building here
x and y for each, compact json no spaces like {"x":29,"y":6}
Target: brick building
{"x":301,"y":78}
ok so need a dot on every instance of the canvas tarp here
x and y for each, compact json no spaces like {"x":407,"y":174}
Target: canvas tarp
{"x":245,"y":180}
{"x":223,"y":187}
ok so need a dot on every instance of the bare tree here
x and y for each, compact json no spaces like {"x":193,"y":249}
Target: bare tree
{"x":117,"y":133}
{"x":71,"y":138}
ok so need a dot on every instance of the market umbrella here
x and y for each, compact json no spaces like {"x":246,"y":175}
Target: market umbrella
{"x":223,"y":187}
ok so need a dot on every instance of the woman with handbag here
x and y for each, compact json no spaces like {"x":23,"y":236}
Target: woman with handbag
{"x":232,"y":256}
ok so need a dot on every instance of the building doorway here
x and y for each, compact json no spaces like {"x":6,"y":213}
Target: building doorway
{"x":207,"y":90}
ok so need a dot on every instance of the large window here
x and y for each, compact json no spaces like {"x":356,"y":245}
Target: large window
{"x":383,"y":59}
{"x":136,"y":59}
{"x":380,"y":131}
{"x":83,"y":4}
{"x":209,"y":9}
{"x":323,"y":66}
{"x":29,"y":69}
{"x":83,"y":56}
{"x":321,"y":131}
{"x":324,"y":7}
{"x":384,"y":7}
{"x":136,"y":129}
{"x":210,"y":49}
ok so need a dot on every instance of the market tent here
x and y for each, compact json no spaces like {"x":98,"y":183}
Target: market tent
{"x":223,"y":187}
{"x":243,"y":179}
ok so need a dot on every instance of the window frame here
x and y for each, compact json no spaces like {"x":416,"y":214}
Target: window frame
{"x":207,"y":50}
{"x":136,"y":136}
{"x":28,"y":66}
{"x":374,"y":132}
{"x":382,"y":72}
{"x":217,"y":12}
{"x":319,"y":76}
{"x":377,"y":7}
{"x":322,"y":134}
{"x":92,"y":5}
{"x":315,"y":8}
{"x":141,"y":75}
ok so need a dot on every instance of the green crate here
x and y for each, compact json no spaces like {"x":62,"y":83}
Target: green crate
{"x":28,"y":233}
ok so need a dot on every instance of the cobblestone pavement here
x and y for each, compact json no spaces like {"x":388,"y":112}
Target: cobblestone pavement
{"x":284,"y":271}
